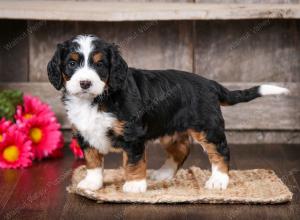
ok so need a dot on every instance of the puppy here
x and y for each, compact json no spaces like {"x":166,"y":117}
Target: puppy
{"x":116,"y":108}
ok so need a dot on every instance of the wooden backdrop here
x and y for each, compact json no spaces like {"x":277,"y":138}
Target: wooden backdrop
{"x":239,"y":54}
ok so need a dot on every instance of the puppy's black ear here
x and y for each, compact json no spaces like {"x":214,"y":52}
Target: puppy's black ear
{"x":118,"y":69}
{"x":53,"y":68}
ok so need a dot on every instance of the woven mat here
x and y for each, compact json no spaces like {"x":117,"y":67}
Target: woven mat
{"x":256,"y":186}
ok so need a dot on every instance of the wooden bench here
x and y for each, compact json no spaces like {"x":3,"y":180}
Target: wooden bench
{"x":129,"y":11}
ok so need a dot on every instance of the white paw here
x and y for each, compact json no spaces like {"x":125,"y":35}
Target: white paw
{"x":217,"y":181}
{"x":162,"y":174}
{"x":135,"y":186}
{"x":92,"y":181}
{"x":166,"y":172}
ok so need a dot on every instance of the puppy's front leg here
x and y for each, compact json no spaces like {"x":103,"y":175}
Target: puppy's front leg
{"x":94,"y":175}
{"x":135,"y":172}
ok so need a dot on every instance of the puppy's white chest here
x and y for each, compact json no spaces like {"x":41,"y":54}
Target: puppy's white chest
{"x":91,"y":123}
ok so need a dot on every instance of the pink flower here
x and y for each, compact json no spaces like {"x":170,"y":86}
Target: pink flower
{"x":77,"y":151}
{"x":38,"y":122}
{"x":44,"y":134}
{"x":15,"y":149}
{"x":33,"y":107}
{"x":4,"y":126}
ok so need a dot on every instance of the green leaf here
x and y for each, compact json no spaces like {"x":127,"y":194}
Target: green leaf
{"x":9,"y":99}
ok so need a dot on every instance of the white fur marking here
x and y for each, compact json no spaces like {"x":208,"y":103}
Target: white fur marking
{"x":92,"y":124}
{"x":272,"y":90}
{"x":93,"y":179}
{"x":166,"y":172}
{"x":85,"y":46}
{"x":218,"y":179}
{"x":85,"y":72}
{"x":135,"y":186}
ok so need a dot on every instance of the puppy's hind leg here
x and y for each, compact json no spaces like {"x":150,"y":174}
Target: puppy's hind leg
{"x":177,"y":148}
{"x":218,"y":154}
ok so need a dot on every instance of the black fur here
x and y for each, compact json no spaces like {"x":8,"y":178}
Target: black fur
{"x":118,"y":69}
{"x":155,"y":103}
{"x":54,"y":68}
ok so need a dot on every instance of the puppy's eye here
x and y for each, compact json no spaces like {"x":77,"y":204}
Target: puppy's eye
{"x":99,"y":64}
{"x":72,"y":64}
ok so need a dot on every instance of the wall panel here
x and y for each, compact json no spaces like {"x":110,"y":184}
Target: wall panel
{"x":248,"y":51}
{"x":13,"y":51}
{"x":149,"y":45}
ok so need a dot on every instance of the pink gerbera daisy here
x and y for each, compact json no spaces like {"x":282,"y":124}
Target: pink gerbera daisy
{"x":4,"y":126}
{"x":33,"y":106}
{"x":44,"y":135}
{"x":15,"y":149}
{"x":39,"y":123}
{"x":77,"y":151}
{"x":58,"y":152}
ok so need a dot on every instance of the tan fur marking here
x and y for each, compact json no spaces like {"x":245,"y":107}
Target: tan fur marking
{"x":74,"y":56}
{"x":65,"y":78}
{"x":102,"y":108}
{"x":97,"y":57}
{"x":214,"y":156}
{"x":118,"y":127}
{"x":134,"y":171}
{"x":125,"y":159}
{"x":224,"y":104}
{"x":177,"y":147}
{"x":93,"y":158}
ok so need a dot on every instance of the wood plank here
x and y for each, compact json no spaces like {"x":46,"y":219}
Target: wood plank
{"x":8,"y":182}
{"x":45,"y":184}
{"x":263,"y":137}
{"x":133,"y":11}
{"x":248,"y":51}
{"x":262,"y":157}
{"x":250,"y":1}
{"x":292,"y":177}
{"x":13,"y":51}
{"x":143,"y":44}
{"x":267,"y":113}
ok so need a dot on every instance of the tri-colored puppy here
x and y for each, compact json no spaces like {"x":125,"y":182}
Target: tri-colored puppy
{"x":113,"y":107}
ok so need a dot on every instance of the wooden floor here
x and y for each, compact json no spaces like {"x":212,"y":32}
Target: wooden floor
{"x":40,"y":192}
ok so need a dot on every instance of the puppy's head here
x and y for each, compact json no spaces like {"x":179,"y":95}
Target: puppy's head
{"x":86,"y":65}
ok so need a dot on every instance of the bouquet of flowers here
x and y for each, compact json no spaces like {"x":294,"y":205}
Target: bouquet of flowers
{"x":29,"y":130}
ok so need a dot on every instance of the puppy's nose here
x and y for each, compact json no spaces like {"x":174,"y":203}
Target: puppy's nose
{"x":85,"y":84}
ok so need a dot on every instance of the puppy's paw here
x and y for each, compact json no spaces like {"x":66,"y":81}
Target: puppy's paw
{"x":162,"y":174}
{"x":217,"y":181}
{"x":92,"y":181}
{"x":88,"y":184}
{"x":135,"y":186}
{"x":166,"y":172}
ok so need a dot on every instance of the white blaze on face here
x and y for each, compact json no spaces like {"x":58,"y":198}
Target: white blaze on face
{"x":85,"y":72}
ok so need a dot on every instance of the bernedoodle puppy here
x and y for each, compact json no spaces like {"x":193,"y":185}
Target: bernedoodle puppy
{"x":116,"y":108}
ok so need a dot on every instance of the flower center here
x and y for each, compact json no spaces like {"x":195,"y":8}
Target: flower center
{"x":36,"y":135}
{"x":1,"y":137}
{"x":28,"y":116}
{"x":11,"y":153}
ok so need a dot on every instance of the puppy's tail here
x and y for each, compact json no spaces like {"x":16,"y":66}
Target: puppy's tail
{"x":228,"y":97}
